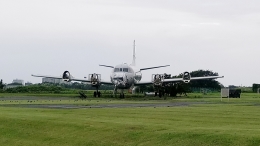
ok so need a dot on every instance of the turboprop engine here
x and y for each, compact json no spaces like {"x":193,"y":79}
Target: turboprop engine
{"x":157,"y":80}
{"x":95,"y":79}
{"x":66,"y":76}
{"x":186,"y":77}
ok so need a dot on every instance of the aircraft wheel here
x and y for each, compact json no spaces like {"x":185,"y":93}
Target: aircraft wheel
{"x":155,"y":94}
{"x":95,"y":94}
{"x":98,"y":94}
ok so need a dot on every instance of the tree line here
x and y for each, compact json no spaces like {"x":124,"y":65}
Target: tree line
{"x":53,"y":88}
{"x":1,"y":84}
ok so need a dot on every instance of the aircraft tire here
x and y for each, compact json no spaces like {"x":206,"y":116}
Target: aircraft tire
{"x":155,"y":94}
{"x":95,"y":94}
{"x":98,"y":94}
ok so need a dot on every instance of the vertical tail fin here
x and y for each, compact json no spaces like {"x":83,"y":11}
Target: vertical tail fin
{"x":133,"y":62}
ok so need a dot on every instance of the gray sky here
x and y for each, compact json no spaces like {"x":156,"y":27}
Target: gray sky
{"x":50,"y":36}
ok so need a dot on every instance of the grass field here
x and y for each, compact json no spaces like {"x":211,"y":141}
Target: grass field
{"x":233,"y":122}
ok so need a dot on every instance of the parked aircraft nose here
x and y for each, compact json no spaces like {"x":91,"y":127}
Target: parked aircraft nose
{"x":118,"y":75}
{"x":119,"y":78}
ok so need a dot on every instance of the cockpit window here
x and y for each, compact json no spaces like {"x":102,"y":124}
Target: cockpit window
{"x":116,"y":70}
{"x":121,"y":70}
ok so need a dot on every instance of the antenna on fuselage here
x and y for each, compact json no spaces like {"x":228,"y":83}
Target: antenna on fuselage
{"x":133,"y":62}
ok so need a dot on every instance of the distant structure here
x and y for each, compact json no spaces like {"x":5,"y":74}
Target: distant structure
{"x":255,"y":88}
{"x":28,"y":84}
{"x":232,"y":86}
{"x":55,"y":81}
{"x":18,"y":81}
{"x":15,"y":83}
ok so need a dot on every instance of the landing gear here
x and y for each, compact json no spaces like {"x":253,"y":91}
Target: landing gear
{"x":97,"y":93}
{"x":115,"y":91}
{"x":160,"y":94}
{"x":122,"y":95}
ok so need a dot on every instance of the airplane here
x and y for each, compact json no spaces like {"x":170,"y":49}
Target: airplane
{"x":125,"y":76}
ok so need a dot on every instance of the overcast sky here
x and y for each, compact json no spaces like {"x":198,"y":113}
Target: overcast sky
{"x":51,"y":36}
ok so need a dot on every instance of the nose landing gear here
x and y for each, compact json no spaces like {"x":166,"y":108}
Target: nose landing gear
{"x":121,"y":95}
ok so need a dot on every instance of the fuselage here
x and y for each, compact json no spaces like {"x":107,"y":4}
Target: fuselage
{"x":124,"y":76}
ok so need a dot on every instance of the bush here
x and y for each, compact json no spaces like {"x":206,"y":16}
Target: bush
{"x":36,"y":89}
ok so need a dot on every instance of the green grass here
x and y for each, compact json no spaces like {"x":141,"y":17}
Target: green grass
{"x":233,"y":122}
{"x":8,"y":98}
{"x":89,"y":94}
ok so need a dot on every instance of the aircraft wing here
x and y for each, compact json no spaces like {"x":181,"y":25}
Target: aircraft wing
{"x":153,"y":67}
{"x":106,"y":82}
{"x":143,"y":83}
{"x":73,"y":79}
{"x":192,"y":78}
{"x":165,"y":80}
{"x":46,"y":76}
{"x":178,"y":80}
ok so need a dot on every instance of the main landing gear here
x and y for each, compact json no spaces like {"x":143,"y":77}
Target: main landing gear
{"x":97,"y":93}
{"x":122,"y":95}
{"x":158,"y":93}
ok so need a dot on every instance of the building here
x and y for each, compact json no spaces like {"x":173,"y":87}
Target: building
{"x":18,"y":81}
{"x":28,"y":84}
{"x":15,"y":83}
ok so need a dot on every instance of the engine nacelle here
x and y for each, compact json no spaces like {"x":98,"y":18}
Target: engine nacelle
{"x":95,"y":79}
{"x":138,"y":76}
{"x":66,"y":76}
{"x":157,"y":80}
{"x":186,"y":77}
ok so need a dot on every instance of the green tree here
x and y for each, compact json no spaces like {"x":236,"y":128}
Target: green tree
{"x":208,"y":83}
{"x":173,"y":89}
{"x":1,"y":84}
{"x":182,"y":88}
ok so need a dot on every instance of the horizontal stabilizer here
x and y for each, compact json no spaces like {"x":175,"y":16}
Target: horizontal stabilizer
{"x":107,"y":66}
{"x":154,"y":67}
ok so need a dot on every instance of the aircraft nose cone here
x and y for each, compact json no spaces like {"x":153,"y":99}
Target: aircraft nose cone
{"x":119,"y":79}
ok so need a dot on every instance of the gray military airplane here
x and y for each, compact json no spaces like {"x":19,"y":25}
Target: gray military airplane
{"x":125,"y":76}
